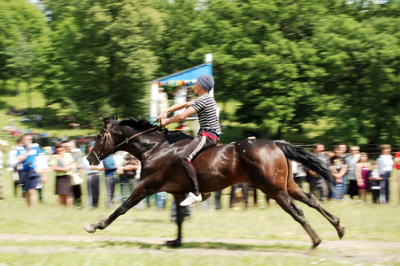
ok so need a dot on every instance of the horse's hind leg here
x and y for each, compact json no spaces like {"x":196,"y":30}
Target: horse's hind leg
{"x":288,"y":205}
{"x":309,"y":199}
{"x":138,"y":194}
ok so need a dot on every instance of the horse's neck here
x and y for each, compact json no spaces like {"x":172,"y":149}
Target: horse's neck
{"x":139,"y":145}
{"x":154,"y":143}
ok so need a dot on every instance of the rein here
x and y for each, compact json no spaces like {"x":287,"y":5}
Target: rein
{"x":107,"y":136}
{"x":128,"y":139}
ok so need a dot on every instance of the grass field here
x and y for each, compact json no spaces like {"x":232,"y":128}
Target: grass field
{"x":51,"y":235}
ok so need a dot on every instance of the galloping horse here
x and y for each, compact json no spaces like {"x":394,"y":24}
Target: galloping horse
{"x":263,"y":163}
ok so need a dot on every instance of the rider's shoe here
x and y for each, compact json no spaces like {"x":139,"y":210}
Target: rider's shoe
{"x":191,"y":199}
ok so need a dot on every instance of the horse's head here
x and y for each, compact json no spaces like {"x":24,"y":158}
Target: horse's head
{"x":115,"y":134}
{"x":105,"y":142}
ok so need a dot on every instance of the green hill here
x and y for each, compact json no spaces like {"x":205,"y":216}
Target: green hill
{"x":55,"y":119}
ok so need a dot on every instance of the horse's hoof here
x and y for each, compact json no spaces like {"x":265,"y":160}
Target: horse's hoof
{"x":173,"y":243}
{"x":341,"y":232}
{"x":316,"y":244}
{"x":89,"y":228}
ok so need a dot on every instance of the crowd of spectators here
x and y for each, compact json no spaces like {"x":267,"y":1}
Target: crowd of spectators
{"x":356,"y":176}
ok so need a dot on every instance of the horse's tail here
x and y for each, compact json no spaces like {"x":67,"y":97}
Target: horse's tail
{"x":308,"y":159}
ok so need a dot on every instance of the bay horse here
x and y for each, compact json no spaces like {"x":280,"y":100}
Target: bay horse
{"x":265,"y":164}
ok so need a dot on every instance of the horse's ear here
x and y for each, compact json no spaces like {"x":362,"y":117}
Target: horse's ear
{"x":105,"y":120}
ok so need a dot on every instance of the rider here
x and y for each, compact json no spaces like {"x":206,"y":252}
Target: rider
{"x":210,"y":129}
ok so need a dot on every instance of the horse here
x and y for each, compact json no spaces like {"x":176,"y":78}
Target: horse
{"x":265,"y":164}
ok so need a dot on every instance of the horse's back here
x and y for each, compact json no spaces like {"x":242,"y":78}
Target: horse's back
{"x":244,"y":161}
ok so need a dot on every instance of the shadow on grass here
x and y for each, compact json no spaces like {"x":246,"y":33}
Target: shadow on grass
{"x":211,"y":246}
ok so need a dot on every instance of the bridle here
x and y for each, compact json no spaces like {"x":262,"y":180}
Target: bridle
{"x":108,"y":138}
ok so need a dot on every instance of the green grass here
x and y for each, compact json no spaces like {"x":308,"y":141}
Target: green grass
{"x":113,"y":257}
{"x":363,"y":222}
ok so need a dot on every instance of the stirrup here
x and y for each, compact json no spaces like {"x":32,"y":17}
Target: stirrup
{"x":205,"y":196}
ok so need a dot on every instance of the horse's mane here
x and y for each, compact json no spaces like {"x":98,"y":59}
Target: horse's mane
{"x":140,"y":124}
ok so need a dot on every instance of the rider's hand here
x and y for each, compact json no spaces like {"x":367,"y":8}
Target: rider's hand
{"x":164,"y":122}
{"x":163,"y":115}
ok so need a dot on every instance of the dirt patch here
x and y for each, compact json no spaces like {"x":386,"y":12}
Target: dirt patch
{"x":345,"y":251}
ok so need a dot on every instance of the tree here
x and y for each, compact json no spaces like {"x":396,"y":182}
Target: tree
{"x":100,"y":59}
{"x":362,"y":62}
{"x":23,"y":32}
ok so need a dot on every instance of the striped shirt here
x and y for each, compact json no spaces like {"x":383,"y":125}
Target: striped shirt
{"x":206,"y":109}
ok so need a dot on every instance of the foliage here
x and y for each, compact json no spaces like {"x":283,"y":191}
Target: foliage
{"x":100,"y":57}
{"x":287,"y":62}
{"x":23,"y":33}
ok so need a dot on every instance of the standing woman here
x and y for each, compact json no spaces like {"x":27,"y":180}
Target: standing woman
{"x":362,"y":171}
{"x":62,"y":163}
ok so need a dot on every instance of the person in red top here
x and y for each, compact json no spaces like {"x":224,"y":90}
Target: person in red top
{"x":397,"y":165}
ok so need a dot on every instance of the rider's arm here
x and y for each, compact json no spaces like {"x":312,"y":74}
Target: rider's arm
{"x":179,"y":117}
{"x":173,"y":108}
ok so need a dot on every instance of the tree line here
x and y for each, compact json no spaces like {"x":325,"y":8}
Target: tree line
{"x":287,"y":62}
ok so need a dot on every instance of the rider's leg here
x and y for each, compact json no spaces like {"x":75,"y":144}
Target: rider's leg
{"x":195,"y":147}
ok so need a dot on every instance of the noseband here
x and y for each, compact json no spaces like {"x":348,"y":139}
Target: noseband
{"x":108,"y":138}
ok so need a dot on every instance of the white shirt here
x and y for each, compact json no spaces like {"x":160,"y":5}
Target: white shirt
{"x":86,"y":166}
{"x":12,"y":158}
{"x":385,"y":163}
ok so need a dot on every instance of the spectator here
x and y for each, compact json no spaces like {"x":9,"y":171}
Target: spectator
{"x":2,"y":143}
{"x":161,"y":198}
{"x":162,"y":100}
{"x":255,"y":197}
{"x":26,"y":154}
{"x":218,"y":204}
{"x":299,"y":174}
{"x":110,"y":168}
{"x":93,"y":180}
{"x":70,"y":147}
{"x":385,"y":162}
{"x":316,"y":182}
{"x":63,"y":163}
{"x":397,"y":165}
{"x":351,"y":161}
{"x":15,"y":166}
{"x":375,"y":182}
{"x":362,"y":172}
{"x":343,"y":154}
{"x":339,"y":169}
{"x":179,"y":97}
{"x":42,"y":163}
{"x":244,"y":189}
{"x":127,"y":174}
{"x":190,"y":94}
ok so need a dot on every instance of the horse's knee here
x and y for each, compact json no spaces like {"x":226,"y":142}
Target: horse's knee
{"x":297,"y":209}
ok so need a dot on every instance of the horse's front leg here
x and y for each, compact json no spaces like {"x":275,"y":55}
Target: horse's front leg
{"x":138,"y":194}
{"x":180,"y":214}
